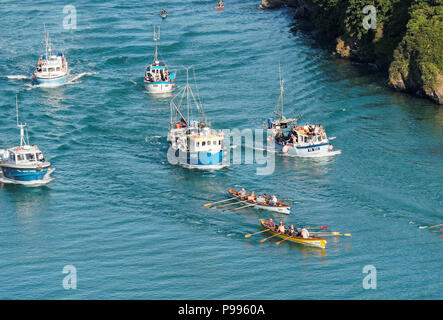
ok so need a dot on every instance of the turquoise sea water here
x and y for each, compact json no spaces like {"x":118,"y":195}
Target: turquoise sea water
{"x":135,"y":227}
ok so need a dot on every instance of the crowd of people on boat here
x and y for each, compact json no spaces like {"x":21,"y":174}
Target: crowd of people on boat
{"x":41,"y":61}
{"x":260,"y":199}
{"x":291,"y":231}
{"x":309,"y":130}
{"x":162,"y":75}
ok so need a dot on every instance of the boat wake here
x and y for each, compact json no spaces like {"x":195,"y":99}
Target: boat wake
{"x":79,"y":76}
{"x":69,"y":80}
{"x":18,"y":77}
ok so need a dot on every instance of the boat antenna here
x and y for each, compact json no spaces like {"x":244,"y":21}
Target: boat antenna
{"x":47,"y":46}
{"x":156,"y":38}
{"x":282,"y":82}
{"x":20,"y":125}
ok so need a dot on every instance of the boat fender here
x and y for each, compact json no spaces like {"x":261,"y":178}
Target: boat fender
{"x":330,"y":147}
{"x":285,"y":149}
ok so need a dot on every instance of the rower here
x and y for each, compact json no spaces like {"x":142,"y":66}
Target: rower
{"x":293,"y":232}
{"x":251,"y":197}
{"x":220,"y":3}
{"x":281,"y":228}
{"x":273,"y":201}
{"x":242,"y":193}
{"x":271,"y":224}
{"x":260,"y":199}
{"x":304,"y":233}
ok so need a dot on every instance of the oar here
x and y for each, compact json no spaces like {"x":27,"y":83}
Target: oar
{"x":324,"y":234}
{"x":324,"y":227}
{"x":278,"y":242}
{"x":211,"y":203}
{"x":251,"y":234}
{"x":263,"y":240}
{"x":236,"y":202}
{"x":248,"y":205}
{"x":436,"y":226}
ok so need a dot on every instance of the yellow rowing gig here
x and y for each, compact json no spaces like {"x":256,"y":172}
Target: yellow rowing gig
{"x":312,"y":241}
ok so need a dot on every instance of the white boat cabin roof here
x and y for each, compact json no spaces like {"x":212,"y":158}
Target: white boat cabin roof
{"x":25,"y":154}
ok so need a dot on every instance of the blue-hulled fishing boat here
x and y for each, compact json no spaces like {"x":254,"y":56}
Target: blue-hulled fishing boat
{"x":193,"y":143}
{"x":24,"y":164}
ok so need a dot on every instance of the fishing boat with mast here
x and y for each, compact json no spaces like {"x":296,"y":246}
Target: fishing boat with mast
{"x":193,"y":143}
{"x":52,"y":69}
{"x":24,"y":164}
{"x":158,"y":79}
{"x":309,"y":140}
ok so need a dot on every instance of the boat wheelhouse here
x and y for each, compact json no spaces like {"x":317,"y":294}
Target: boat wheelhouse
{"x":52,"y":69}
{"x":24,"y":164}
{"x":309,"y":140}
{"x":193,"y":143}
{"x":157,"y":78}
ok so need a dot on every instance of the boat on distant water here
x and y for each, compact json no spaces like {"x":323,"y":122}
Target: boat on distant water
{"x":52,"y":69}
{"x":157,"y":77}
{"x":278,"y":207}
{"x":309,"y":140}
{"x":24,"y":164}
{"x":193,"y":143}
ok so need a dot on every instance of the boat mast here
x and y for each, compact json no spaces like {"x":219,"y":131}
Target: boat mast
{"x":281,"y":89}
{"x":20,"y":125}
{"x":156,"y":38}
{"x":47,"y":47}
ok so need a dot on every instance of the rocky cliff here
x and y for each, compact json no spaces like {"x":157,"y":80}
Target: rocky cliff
{"x":406,"y":38}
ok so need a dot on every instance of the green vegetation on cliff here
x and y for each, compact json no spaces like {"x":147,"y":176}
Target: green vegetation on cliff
{"x":408,"y":39}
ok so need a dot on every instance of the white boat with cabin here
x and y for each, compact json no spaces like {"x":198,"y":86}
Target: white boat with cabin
{"x":52,"y":69}
{"x":157,"y":78}
{"x":309,"y":140}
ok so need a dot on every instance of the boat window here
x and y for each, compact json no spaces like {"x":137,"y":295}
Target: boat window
{"x":51,"y":69}
{"x":19,"y":157}
{"x":30,"y":156}
{"x":58,"y":69}
{"x":12,"y":156}
{"x":198,"y":144}
{"x":203,"y":143}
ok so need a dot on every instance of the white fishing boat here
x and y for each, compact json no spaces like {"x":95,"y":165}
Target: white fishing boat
{"x":52,"y":69}
{"x":158,"y":79}
{"x":24,"y":164}
{"x":193,"y":143}
{"x":308,"y":140}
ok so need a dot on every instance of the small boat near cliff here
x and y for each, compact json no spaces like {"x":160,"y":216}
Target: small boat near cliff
{"x":193,"y":142}
{"x":157,"y":78}
{"x":52,"y":69}
{"x":309,"y":140}
{"x":24,"y":164}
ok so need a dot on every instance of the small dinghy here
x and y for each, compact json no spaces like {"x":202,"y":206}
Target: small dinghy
{"x":158,"y":79}
{"x":24,"y":164}
{"x":52,"y":69}
{"x":266,"y":205}
{"x":309,"y":140}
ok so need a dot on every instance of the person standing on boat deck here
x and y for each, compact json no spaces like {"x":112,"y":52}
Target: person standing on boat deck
{"x":271,"y":224}
{"x":281,"y":228}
